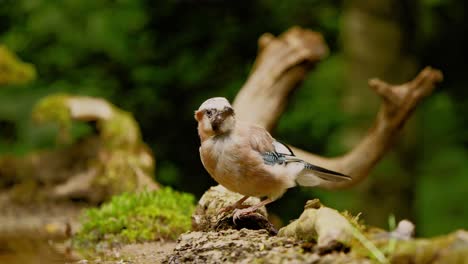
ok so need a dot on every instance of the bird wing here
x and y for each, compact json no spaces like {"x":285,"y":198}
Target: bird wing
{"x":260,"y":140}
{"x":274,"y":152}
{"x":310,"y":171}
{"x":323,"y":173}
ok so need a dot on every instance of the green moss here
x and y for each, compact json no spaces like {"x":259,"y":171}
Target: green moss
{"x":13,"y":70}
{"x":451,"y":248}
{"x":121,"y":130}
{"x":137,"y":217}
{"x":54,"y":109}
{"x":354,"y":220}
{"x":119,"y":173}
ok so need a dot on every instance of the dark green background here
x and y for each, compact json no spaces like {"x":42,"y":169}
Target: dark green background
{"x":161,"y":59}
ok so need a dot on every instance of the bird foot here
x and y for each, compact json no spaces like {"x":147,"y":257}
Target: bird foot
{"x":233,"y":207}
{"x":238,"y":213}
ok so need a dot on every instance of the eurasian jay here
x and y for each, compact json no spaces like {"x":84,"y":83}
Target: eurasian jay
{"x":246,"y":159}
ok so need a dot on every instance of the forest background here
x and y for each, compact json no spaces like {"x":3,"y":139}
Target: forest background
{"x":161,"y":59}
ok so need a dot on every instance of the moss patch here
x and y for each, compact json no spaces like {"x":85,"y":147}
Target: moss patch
{"x":120,"y":131}
{"x":137,"y":217}
{"x":13,"y":70}
{"x":54,"y":109}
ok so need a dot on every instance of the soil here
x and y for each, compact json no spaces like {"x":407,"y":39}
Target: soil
{"x":45,"y":219}
{"x":40,"y":232}
{"x":34,"y":232}
{"x":249,"y":246}
{"x":141,"y":253}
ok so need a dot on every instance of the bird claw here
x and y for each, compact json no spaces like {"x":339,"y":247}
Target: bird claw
{"x":230,"y":208}
{"x":238,"y":213}
{"x":226,"y":209}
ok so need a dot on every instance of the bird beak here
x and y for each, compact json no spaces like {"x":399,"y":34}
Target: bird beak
{"x":217,"y":120}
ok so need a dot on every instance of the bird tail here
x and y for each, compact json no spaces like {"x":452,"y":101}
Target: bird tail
{"x":313,"y":175}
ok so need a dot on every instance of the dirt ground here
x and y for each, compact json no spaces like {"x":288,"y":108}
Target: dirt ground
{"x":28,"y":251}
{"x":144,"y":253}
{"x":38,"y":233}
{"x":28,"y":231}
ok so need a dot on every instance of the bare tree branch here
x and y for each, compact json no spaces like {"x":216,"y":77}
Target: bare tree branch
{"x":282,"y":64}
{"x":398,"y":102}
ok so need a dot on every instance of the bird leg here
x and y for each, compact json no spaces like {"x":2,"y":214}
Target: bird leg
{"x":236,"y":205}
{"x":245,"y":211}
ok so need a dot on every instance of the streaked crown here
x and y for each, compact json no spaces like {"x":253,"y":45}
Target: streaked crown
{"x":216,"y":102}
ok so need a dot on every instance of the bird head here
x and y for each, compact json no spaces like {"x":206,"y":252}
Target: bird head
{"x":215,"y":117}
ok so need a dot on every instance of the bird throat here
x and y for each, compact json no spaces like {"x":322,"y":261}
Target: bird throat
{"x":215,"y":126}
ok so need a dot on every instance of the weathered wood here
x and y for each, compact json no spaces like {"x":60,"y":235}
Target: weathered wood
{"x":110,"y":161}
{"x":281,"y":65}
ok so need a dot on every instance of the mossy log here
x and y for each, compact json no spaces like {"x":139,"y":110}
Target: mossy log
{"x":451,"y":248}
{"x":112,"y":160}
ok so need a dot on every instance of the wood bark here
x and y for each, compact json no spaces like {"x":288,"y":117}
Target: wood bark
{"x":284,"y":61}
{"x":281,"y":65}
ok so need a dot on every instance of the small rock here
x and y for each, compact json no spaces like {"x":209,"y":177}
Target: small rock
{"x":324,"y":225}
{"x":207,"y":215}
{"x":404,"y":230}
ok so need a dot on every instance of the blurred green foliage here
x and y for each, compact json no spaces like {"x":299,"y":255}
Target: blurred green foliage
{"x":130,"y":217}
{"x":13,"y":70}
{"x":161,"y":59}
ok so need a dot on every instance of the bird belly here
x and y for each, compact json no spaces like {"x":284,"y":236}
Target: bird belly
{"x":252,"y":178}
{"x":242,"y":170}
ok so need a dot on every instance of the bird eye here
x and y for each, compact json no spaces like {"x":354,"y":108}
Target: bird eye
{"x":209,"y":113}
{"x":228,"y":110}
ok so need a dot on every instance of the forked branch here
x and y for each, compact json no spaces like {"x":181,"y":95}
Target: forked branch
{"x":282,"y":64}
{"x":398,"y":102}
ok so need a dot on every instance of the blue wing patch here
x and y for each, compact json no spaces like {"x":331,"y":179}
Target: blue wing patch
{"x":284,"y":155}
{"x":272,"y":158}
{"x":279,"y":155}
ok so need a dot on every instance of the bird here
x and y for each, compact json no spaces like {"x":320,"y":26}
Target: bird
{"x":246,"y":159}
